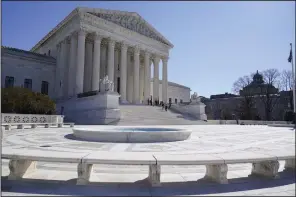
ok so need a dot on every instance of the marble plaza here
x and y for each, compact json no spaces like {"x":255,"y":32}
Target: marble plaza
{"x":177,"y":180}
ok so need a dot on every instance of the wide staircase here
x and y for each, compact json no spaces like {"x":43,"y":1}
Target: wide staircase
{"x":152,"y":115}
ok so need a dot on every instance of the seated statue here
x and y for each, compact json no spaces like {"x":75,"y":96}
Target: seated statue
{"x":195,"y":97}
{"x":106,"y":85}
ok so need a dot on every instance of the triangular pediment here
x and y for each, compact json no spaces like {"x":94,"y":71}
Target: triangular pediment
{"x":129,"y":20}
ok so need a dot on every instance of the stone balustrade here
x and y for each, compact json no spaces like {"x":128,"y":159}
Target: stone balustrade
{"x":23,"y":161}
{"x":247,"y":122}
{"x":8,"y":118}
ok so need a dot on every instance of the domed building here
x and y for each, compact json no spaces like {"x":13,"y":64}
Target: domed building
{"x":258,"y":87}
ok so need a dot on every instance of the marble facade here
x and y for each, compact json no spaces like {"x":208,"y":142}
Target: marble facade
{"x":92,"y":43}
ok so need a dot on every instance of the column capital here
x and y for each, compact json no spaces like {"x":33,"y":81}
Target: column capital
{"x":165,"y":59}
{"x":123,"y":45}
{"x":73,"y":33}
{"x":156,"y":59}
{"x":82,"y":31}
{"x":137,"y":50}
{"x":63,"y":41}
{"x":111,"y":42}
{"x":147,"y":54}
{"x":58,"y":45}
{"x":97,"y":36}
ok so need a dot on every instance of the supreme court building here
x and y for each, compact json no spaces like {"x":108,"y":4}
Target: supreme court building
{"x":92,"y":43}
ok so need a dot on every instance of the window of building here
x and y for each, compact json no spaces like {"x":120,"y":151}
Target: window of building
{"x":9,"y":81}
{"x":28,"y":84}
{"x":181,"y":101}
{"x":176,"y":100}
{"x":44,"y":87}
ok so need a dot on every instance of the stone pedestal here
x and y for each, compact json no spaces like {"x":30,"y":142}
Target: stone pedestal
{"x":102,"y":108}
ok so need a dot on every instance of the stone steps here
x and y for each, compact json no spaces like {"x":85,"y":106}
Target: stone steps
{"x":152,"y":115}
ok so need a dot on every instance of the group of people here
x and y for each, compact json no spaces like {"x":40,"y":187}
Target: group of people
{"x":159,"y":103}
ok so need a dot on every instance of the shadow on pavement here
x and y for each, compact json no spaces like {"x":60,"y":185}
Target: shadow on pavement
{"x":142,"y":188}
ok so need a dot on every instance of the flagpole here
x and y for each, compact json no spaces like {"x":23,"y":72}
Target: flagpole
{"x":294,"y":78}
{"x":294,"y":84}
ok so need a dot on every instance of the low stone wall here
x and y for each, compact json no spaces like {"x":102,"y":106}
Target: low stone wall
{"x":247,"y":122}
{"x":193,"y":110}
{"x":31,"y":118}
{"x":102,"y":108}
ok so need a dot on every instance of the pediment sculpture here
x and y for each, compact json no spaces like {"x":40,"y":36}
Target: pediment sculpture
{"x":132,"y":23}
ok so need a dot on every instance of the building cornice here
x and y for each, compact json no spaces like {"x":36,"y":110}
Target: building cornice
{"x":31,"y":56}
{"x":172,"y":84}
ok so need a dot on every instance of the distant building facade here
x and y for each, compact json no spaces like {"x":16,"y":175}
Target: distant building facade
{"x":231,"y":106}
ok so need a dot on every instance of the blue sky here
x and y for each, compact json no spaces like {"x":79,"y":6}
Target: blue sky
{"x":215,"y":42}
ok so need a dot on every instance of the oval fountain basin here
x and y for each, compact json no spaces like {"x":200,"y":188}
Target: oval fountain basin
{"x":131,"y":134}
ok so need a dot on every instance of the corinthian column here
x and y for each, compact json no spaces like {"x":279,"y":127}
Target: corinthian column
{"x":164,"y":79}
{"x":146,"y":76}
{"x":96,"y":63}
{"x":62,"y":69}
{"x":57,"y":72}
{"x":88,"y":66}
{"x":80,"y":61}
{"x":136,"y":99}
{"x":123,"y":73}
{"x":72,"y":65}
{"x":110,"y":69}
{"x":156,"y":78}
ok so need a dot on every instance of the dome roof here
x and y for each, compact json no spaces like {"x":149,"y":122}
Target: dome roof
{"x":258,"y":78}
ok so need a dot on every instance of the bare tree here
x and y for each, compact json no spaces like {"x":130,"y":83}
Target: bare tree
{"x":271,"y":76}
{"x":246,"y":108}
{"x":287,"y":83}
{"x":217,"y":110}
{"x":286,"y":80}
{"x":268,"y":95}
{"x":240,"y":83}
